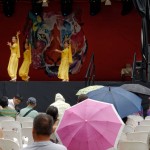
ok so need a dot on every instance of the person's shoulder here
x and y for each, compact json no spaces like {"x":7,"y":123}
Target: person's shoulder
{"x":36,"y":112}
{"x":27,"y":148}
{"x":67,"y":104}
{"x":59,"y":147}
{"x":53,"y":104}
{"x":23,"y":109}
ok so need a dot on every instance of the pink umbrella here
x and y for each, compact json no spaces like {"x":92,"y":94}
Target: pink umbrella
{"x":90,"y":125}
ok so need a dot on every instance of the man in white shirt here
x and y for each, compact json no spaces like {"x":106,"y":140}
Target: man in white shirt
{"x":12,"y":103}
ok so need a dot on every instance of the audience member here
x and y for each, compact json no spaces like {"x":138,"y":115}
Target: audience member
{"x":81,"y":98}
{"x":6,"y":111}
{"x":29,"y":110}
{"x":53,"y":111}
{"x":13,"y":103}
{"x":60,"y":104}
{"x":126,"y":72}
{"x":42,"y":129}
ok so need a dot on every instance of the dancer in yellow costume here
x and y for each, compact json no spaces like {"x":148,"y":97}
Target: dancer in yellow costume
{"x":24,"y":69}
{"x":66,"y":60}
{"x":14,"y":57}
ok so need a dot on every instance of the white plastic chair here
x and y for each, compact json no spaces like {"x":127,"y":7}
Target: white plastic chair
{"x":27,"y":124}
{"x":134,"y":120}
{"x":6,"y":144}
{"x":23,"y":119}
{"x":27,"y":132}
{"x":123,"y":137}
{"x":132,"y":145}
{"x":128,"y":129}
{"x":142,"y":128}
{"x":139,"y":136}
{"x":2,"y":118}
{"x":147,"y":118}
{"x":145,"y":122}
{"x":10,"y":134}
{"x":11,"y":125}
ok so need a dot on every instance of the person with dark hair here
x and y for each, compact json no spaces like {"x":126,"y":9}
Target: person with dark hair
{"x":81,"y":98}
{"x":29,"y":110}
{"x":6,"y":111}
{"x":66,"y":60}
{"x":42,"y":129}
{"x":13,"y":103}
{"x":53,"y":111}
{"x":14,"y":57}
{"x":24,"y":69}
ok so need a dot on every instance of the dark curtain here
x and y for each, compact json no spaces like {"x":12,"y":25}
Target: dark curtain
{"x":141,"y":6}
{"x":148,"y":19}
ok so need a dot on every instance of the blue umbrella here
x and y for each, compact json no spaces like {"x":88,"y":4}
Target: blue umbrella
{"x":125,"y":102}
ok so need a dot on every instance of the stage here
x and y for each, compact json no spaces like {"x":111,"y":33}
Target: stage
{"x":44,"y":91}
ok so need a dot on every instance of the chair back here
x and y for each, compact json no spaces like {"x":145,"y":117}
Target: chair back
{"x":142,"y":128}
{"x":11,"y":125}
{"x":134,"y":120}
{"x":147,"y":118}
{"x":2,"y":118}
{"x":23,"y":119}
{"x":145,"y":122}
{"x":6,"y":144}
{"x":27,"y":124}
{"x":139,"y":136}
{"x":128,"y":129}
{"x":27,"y":132}
{"x":10,"y":134}
{"x":132,"y":145}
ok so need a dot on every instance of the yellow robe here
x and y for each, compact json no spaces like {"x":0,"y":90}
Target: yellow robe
{"x":66,"y":60}
{"x":24,"y":69}
{"x":13,"y":60}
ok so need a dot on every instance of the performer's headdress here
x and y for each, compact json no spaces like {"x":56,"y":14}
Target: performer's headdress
{"x":67,"y":39}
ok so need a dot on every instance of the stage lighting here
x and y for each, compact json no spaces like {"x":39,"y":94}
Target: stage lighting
{"x":66,"y":7}
{"x":8,"y":7}
{"x":94,"y":7}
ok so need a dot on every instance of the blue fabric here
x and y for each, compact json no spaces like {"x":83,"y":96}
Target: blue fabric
{"x":125,"y":102}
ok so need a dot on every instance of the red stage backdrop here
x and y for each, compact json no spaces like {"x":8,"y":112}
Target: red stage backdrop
{"x":47,"y":33}
{"x":113,"y":39}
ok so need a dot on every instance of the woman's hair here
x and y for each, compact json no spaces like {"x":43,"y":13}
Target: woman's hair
{"x":17,"y":96}
{"x":52,"y":111}
{"x":14,"y":37}
{"x":67,"y":41}
{"x":4,"y":101}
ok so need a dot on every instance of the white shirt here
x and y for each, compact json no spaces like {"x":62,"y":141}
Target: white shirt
{"x":11,"y":104}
